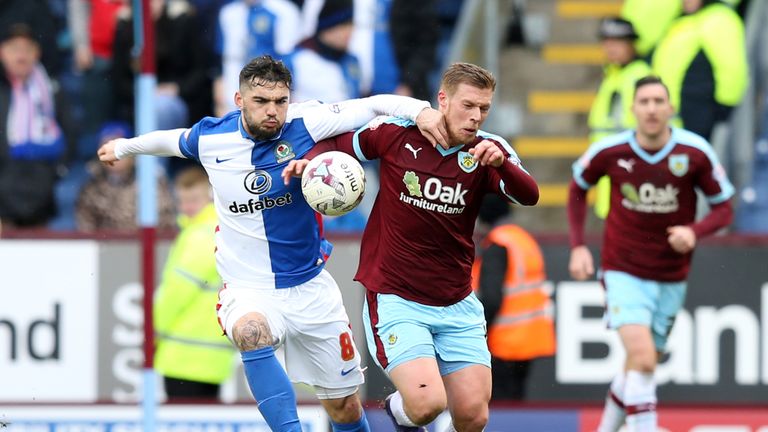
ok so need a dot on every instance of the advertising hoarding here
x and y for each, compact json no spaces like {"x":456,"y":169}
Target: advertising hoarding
{"x":48,"y":323}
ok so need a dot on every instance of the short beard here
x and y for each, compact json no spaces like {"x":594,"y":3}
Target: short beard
{"x":260,"y":134}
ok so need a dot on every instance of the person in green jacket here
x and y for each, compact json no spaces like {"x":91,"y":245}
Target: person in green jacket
{"x":192,"y":355}
{"x":703,"y":61}
{"x":651,"y":19}
{"x":611,"y":111}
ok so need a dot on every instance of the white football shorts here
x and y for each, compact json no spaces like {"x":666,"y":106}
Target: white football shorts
{"x":309,"y":321}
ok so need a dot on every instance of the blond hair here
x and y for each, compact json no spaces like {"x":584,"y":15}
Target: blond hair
{"x":466,"y":73}
{"x":191,"y":177}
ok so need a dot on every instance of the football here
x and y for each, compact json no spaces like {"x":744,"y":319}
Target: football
{"x":333,"y":183}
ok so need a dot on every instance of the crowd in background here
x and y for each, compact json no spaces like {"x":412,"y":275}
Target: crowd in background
{"x":69,"y":77}
{"x":70,"y":68}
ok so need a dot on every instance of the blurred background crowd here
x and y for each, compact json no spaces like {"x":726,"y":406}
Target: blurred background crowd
{"x":565,"y":78}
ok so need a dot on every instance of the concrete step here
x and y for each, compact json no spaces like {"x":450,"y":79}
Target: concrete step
{"x":574,"y":53}
{"x":555,"y":124}
{"x":523,"y":69}
{"x":553,"y":86}
{"x":551,"y":172}
{"x":529,"y":147}
{"x":574,"y":21}
{"x":570,"y":9}
{"x":573,"y":101}
{"x":574,"y":31}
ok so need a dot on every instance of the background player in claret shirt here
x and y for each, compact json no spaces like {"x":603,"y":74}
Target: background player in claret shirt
{"x":270,"y":251}
{"x":650,"y":234}
{"x":424,"y":325}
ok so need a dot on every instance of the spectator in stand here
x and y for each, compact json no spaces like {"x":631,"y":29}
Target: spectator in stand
{"x":415,"y":33}
{"x":611,"y":111}
{"x":651,"y":19}
{"x":703,"y":61}
{"x":193,"y":356}
{"x":392,"y":36}
{"x":326,"y":54}
{"x":248,"y":29}
{"x":208,"y":14}
{"x":371,"y":44}
{"x":92,"y":25}
{"x":37,"y":15}
{"x":108,"y":200}
{"x":35,"y":131}
{"x":183,"y":69}
{"x":510,"y":280}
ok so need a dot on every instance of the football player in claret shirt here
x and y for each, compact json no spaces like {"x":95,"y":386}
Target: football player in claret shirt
{"x":424,"y":325}
{"x":649,"y":237}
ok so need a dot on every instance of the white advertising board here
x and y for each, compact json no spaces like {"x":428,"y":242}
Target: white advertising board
{"x":128,"y":418}
{"x":48,"y":320}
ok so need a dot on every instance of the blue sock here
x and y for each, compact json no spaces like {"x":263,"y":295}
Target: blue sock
{"x":358,"y":426}
{"x":272,"y":390}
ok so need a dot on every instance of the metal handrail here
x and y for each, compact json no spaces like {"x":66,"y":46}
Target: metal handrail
{"x":744,"y":123}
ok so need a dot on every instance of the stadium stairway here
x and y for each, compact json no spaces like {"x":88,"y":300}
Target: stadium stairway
{"x":556,"y":83}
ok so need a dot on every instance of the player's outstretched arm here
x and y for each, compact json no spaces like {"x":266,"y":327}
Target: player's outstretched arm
{"x":326,"y":120}
{"x":106,"y":152}
{"x":158,"y":143}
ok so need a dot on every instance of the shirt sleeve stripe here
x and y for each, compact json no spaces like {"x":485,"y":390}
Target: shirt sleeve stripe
{"x":356,"y":146}
{"x":504,"y":191}
{"x":580,"y":181}
{"x":189,"y":144}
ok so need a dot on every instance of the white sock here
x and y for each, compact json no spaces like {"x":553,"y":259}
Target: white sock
{"x":613,"y":412}
{"x":450,"y":428}
{"x":398,"y":410}
{"x":640,"y":402}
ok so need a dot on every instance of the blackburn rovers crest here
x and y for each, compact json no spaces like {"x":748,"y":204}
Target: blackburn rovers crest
{"x":466,"y":162}
{"x":284,"y":151}
{"x":678,"y":164}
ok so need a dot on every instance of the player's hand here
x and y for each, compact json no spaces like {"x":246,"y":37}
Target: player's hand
{"x":681,"y":238}
{"x":294,"y":169}
{"x":487,"y":153}
{"x":431,"y":123}
{"x":581,"y":265}
{"x":107,"y":152}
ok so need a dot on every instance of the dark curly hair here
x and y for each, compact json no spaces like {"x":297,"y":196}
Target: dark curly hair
{"x":265,"y":70}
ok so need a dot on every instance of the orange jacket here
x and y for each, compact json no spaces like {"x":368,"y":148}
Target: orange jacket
{"x":524,"y":327}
